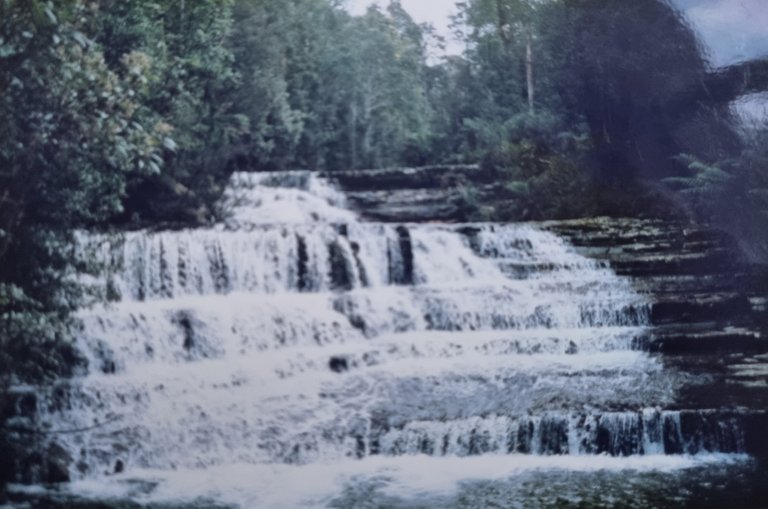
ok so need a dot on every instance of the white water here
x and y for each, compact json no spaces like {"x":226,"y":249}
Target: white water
{"x":413,"y":477}
{"x":293,"y":333}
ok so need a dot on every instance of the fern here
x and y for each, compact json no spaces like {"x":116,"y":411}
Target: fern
{"x":519,"y":188}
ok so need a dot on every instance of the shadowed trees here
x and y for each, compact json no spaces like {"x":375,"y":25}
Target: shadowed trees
{"x":137,"y":112}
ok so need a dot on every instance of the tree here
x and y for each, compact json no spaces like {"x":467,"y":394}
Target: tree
{"x":263,"y":33}
{"x":732,"y":192}
{"x":183,"y":49}
{"x":387,"y":110}
{"x":452,"y":91}
{"x":616,"y":65}
{"x":70,"y":137}
{"x":326,"y":90}
{"x":500,"y":37}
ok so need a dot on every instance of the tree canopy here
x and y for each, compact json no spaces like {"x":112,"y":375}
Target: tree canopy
{"x":135,"y":113}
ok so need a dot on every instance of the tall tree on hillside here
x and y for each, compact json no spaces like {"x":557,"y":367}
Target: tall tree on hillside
{"x":387,"y":110}
{"x":263,"y":35}
{"x":326,"y":90}
{"x":313,"y":54}
{"x":183,"y":49}
{"x":452,"y":92}
{"x":501,"y":33}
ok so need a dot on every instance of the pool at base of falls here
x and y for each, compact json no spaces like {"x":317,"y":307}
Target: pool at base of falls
{"x":706,"y":480}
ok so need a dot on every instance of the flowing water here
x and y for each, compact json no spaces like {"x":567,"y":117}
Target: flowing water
{"x":295,"y":356}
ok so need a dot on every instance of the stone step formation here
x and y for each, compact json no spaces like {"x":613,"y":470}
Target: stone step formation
{"x":303,"y":353}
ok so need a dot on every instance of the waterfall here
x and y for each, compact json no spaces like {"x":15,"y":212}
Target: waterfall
{"x":295,"y":334}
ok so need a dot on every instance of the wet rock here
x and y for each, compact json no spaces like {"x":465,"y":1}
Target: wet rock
{"x":424,"y":177}
{"x":692,"y":273}
{"x":38,"y":464}
{"x":755,"y":437}
{"x":398,"y":195}
{"x":707,"y":310}
{"x":341,"y":267}
{"x":405,"y":206}
{"x":699,"y":307}
{"x":56,"y":465}
{"x":20,"y":403}
{"x":338,"y":364}
{"x":699,"y":339}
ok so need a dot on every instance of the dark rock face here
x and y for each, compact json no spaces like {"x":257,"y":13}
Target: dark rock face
{"x":708,"y":304}
{"x":27,"y":455}
{"x":390,"y":179}
{"x":402,"y":195}
{"x":38,"y":464}
{"x":695,"y":276}
{"x":56,"y":464}
{"x":338,"y":364}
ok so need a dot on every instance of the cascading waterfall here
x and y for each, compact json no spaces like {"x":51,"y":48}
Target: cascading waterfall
{"x":294,"y":334}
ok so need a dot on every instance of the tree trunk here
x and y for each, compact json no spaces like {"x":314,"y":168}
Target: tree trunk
{"x":529,"y":67}
{"x":366,"y":149}
{"x":352,"y":129}
{"x":502,"y":24}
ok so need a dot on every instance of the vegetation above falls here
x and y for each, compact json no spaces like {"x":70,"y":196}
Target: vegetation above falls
{"x":135,"y":113}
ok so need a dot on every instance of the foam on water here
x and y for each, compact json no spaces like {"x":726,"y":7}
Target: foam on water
{"x":294,"y":345}
{"x":286,"y":197}
{"x":275,"y":486}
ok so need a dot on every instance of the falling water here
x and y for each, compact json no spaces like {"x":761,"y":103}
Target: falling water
{"x":295,"y":338}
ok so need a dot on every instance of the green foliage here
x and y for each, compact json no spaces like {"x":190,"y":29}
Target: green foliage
{"x":116,"y":111}
{"x":279,"y":47}
{"x":325,"y":90}
{"x":35,"y":343}
{"x":618,"y":94}
{"x":732,"y":192}
{"x":386,"y":109}
{"x":69,"y":138}
{"x":542,"y":164}
{"x":451,"y":87}
{"x":179,"y":58}
{"x":634,"y":72}
{"x":67,"y":123}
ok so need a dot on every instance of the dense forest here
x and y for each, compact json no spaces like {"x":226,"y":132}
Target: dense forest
{"x":127,"y":114}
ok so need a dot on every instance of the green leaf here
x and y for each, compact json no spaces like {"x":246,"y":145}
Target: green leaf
{"x":6,"y":50}
{"x":81,"y":39}
{"x":518,"y":187}
{"x":169,"y":144}
{"x":51,"y":15}
{"x":714,"y":174}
